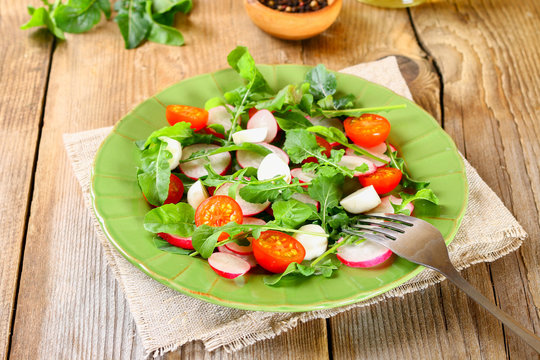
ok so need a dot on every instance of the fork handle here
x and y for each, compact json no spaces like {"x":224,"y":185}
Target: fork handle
{"x":530,"y":338}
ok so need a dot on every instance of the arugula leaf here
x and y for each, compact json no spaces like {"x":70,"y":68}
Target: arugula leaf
{"x":292,"y":120}
{"x":406,"y":180}
{"x":43,"y":17}
{"x":177,"y":219}
{"x":284,"y":96}
{"x":155,"y":173}
{"x":162,"y":6}
{"x":359,"y":111}
{"x":240,"y":60}
{"x":179,"y":132}
{"x":327,"y":190}
{"x":423,"y":194}
{"x":78,"y":16}
{"x":160,"y":33}
{"x":105,"y":6}
{"x":292,"y":213}
{"x":165,"y":246}
{"x":216,"y":180}
{"x":259,"y":149}
{"x":322,"y":82}
{"x":260,"y":191}
{"x":133,"y":22}
{"x":295,"y":270}
{"x":204,"y":240}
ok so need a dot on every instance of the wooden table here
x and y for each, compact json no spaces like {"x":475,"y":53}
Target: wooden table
{"x":473,"y":64}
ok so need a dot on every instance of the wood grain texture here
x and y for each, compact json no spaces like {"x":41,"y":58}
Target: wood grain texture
{"x":492,"y":106}
{"x":81,"y":314}
{"x":24,"y":63}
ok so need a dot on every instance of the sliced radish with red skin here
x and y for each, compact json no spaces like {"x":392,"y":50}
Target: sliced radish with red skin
{"x":314,"y":245}
{"x":194,"y":169}
{"x":363,"y":255}
{"x":264,"y":119}
{"x":253,"y":221}
{"x":249,"y":136}
{"x":175,"y":148}
{"x":240,"y":249}
{"x":361,"y":200}
{"x":353,"y":161}
{"x":228,"y":265}
{"x":249,"y":258}
{"x":350,"y":152}
{"x":221,"y":116}
{"x":175,"y":240}
{"x":248,"y":209}
{"x":253,"y":159}
{"x":326,"y":122}
{"x":306,"y":199}
{"x":196,"y":194}
{"x":385,"y":206}
{"x":272,"y":166}
{"x":302,"y":176}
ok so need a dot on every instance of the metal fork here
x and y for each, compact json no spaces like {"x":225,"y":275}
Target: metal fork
{"x":420,"y":242}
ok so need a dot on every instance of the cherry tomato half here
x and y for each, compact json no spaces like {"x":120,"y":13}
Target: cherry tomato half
{"x":176,"y":190}
{"x":367,"y":130}
{"x":324,"y":144}
{"x":275,"y":250}
{"x":384,"y":180}
{"x":218,"y":210}
{"x":183,"y":113}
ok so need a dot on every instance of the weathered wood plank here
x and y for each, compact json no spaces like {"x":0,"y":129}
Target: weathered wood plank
{"x":67,"y":308}
{"x":491,"y":100}
{"x":24,"y":65}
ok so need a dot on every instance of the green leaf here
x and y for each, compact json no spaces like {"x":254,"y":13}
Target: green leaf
{"x":344,"y":102}
{"x":162,"y":34}
{"x":260,"y":192}
{"x":179,"y":132}
{"x":165,"y":246}
{"x":327,"y":190}
{"x":322,"y":82}
{"x":423,"y":194}
{"x":292,"y":213}
{"x":42,"y":17}
{"x":289,"y":96}
{"x":240,"y":60}
{"x":214,"y":102}
{"x":330,"y":133}
{"x":406,"y":180}
{"x":177,"y":219}
{"x":259,"y":149}
{"x":204,"y":240}
{"x":78,"y":16}
{"x":295,"y":270}
{"x":105,"y":6}
{"x":163,"y":6}
{"x":292,"y":120}
{"x":133,"y":22}
{"x":360,"y":111}
{"x":154,"y":175}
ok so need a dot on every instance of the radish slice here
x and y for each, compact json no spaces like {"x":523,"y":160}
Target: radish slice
{"x":228,"y":265}
{"x":196,"y":194}
{"x":175,"y":240}
{"x":220,"y":115}
{"x":264,"y":119}
{"x":322,"y":121}
{"x":248,"y":209}
{"x":194,"y":169}
{"x":273,"y":166}
{"x":240,"y":249}
{"x":249,"y":258}
{"x":253,"y":221}
{"x":365,"y":254}
{"x":352,"y":162}
{"x":302,"y":176}
{"x":175,"y":148}
{"x":362,"y":200}
{"x":315,"y":245}
{"x":249,"y":136}
{"x":253,"y":159}
{"x":377,"y":163}
{"x":385,"y":206}
{"x":306,"y":199}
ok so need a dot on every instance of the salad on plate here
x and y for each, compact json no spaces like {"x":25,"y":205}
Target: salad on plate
{"x":269,"y":180}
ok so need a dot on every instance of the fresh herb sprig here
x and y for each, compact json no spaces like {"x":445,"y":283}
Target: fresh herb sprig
{"x":137,"y":19}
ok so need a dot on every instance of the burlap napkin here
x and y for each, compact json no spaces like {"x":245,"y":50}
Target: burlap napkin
{"x":167,"y":319}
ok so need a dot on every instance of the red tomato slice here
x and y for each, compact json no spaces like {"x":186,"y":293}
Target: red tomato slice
{"x":384,"y":180}
{"x":218,"y":210}
{"x":324,"y":144}
{"x":275,"y":250}
{"x":367,"y":130}
{"x":176,"y":190}
{"x":183,"y":113}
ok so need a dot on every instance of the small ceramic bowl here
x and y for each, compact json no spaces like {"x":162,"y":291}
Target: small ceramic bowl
{"x":292,"y":26}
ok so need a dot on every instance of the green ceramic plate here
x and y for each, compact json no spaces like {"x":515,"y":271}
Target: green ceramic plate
{"x":428,"y":151}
